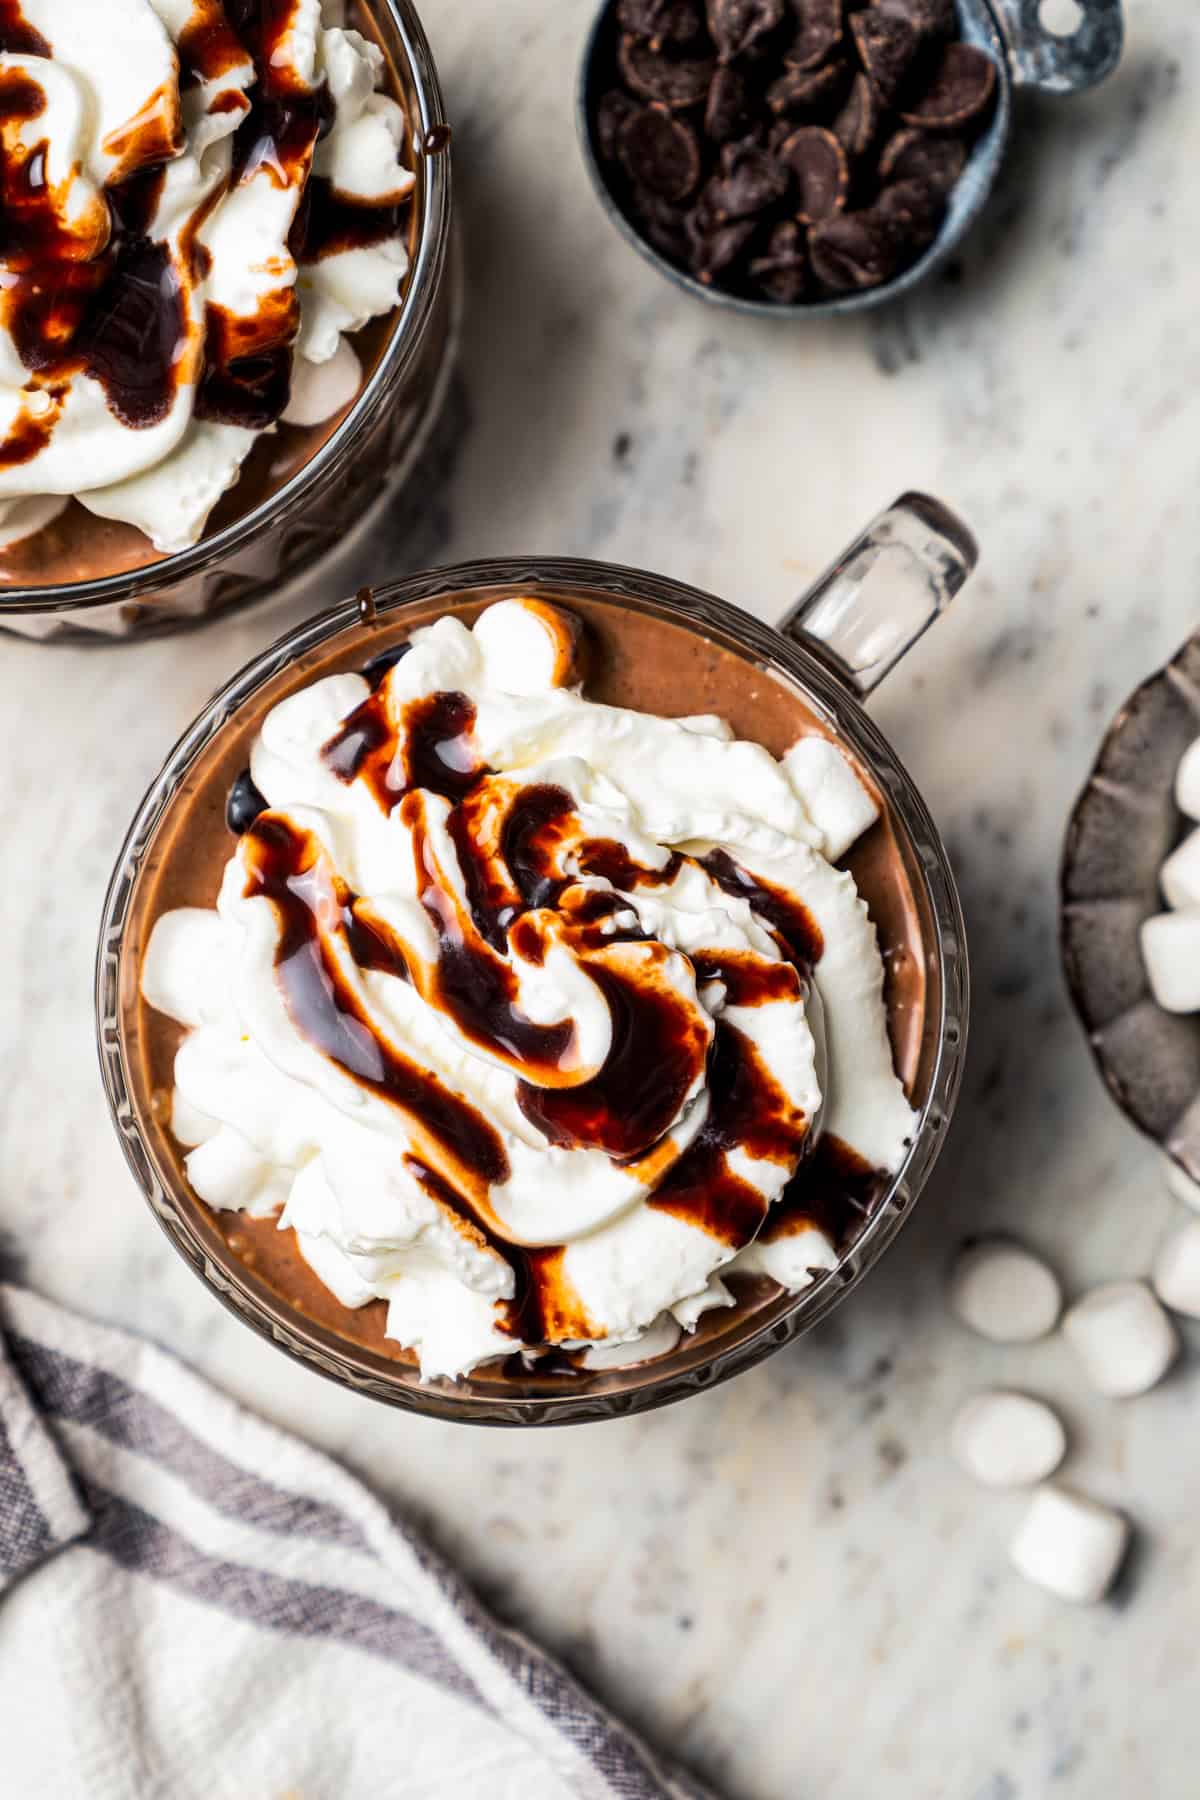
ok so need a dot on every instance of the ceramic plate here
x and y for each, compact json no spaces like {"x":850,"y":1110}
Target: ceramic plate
{"x":1124,"y":824}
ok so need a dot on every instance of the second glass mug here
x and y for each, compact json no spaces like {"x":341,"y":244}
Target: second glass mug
{"x":831,"y":649}
{"x":338,"y":495}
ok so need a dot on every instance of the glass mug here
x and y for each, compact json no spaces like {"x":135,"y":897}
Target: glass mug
{"x":830,"y":650}
{"x":341,"y":489}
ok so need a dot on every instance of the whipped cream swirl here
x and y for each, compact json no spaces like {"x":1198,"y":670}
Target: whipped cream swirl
{"x":532,"y":1016}
{"x":200,"y":200}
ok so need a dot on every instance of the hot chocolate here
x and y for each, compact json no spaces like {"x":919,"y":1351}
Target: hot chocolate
{"x":208,"y":221}
{"x":540,"y":1011}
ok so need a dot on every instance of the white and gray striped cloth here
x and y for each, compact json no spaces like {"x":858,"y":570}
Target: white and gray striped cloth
{"x":194,"y":1604}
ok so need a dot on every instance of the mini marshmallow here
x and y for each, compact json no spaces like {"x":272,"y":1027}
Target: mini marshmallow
{"x":1004,"y":1292}
{"x":834,"y":798}
{"x":1180,"y":1183}
{"x":1187,"y":781}
{"x":228,"y":1173}
{"x":1176,"y":1275}
{"x":1171,"y":954}
{"x":1179,"y":876}
{"x":182,"y":967}
{"x":189,"y":1126}
{"x":1070,"y":1545}
{"x":319,"y":390}
{"x":21,"y":518}
{"x":1122,"y":1337}
{"x":1007,"y":1440}
{"x":656,"y":1340}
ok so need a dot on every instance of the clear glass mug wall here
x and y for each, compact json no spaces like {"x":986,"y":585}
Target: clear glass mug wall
{"x":829,"y":651}
{"x":340,"y":489}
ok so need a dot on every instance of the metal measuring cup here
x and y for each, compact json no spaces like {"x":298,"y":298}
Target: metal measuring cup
{"x":1027,"y":55}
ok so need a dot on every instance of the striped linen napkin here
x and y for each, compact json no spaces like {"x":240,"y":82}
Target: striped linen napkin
{"x":193,"y":1603}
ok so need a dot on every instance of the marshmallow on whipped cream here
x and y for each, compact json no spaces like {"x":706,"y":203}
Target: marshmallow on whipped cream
{"x":200,"y":201}
{"x":526,"y":1011}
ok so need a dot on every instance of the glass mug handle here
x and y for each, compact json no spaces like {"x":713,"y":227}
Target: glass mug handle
{"x":882,"y":593}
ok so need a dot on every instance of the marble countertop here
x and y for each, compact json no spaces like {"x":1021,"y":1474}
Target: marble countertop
{"x":784,"y":1581}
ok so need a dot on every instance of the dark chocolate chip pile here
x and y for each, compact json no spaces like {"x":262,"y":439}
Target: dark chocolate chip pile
{"x":789,"y":150}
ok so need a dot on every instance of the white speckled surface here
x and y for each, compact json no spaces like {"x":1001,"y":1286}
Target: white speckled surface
{"x":786,"y":1581}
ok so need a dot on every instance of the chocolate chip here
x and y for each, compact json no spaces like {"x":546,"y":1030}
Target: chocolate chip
{"x":887,"y":46}
{"x":963,"y":84}
{"x":664,"y":226}
{"x":856,"y":125}
{"x":916,"y":208}
{"x":854,"y":251}
{"x":930,"y":18}
{"x":661,"y":21}
{"x":912,"y":155}
{"x":676,"y":82}
{"x":243,"y":804}
{"x":750,"y":181}
{"x":611,"y":114}
{"x":375,"y":670}
{"x":660,"y":152}
{"x":714,"y":252}
{"x":739,"y":26}
{"x":727,"y":110}
{"x":808,"y":90}
{"x":782,"y":274}
{"x":819,"y":173}
{"x":820,"y":29}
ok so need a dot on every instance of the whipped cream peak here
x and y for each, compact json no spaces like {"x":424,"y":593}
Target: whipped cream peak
{"x":124,"y":62}
{"x":190,"y":206}
{"x":534,"y":1017}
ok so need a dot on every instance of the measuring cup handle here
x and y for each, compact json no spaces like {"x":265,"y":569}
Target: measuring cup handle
{"x":875,"y":601}
{"x":1061,"y":65}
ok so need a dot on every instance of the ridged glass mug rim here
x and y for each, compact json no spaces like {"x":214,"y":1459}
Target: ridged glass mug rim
{"x":635,"y":1387}
{"x":389,"y":374}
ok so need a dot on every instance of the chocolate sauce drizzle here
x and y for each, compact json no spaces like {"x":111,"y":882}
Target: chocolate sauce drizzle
{"x":130,"y":339}
{"x":327,"y":222}
{"x":365,"y":744}
{"x":471,"y":982}
{"x":520,"y":857}
{"x":745,"y":1107}
{"x":47,"y":287}
{"x":798,"y":933}
{"x":431,"y":750}
{"x":247,"y":387}
{"x":284,"y":866}
{"x":624,"y":1110}
{"x":17,"y":35}
{"x":209,"y":46}
{"x":119,"y":315}
{"x":134,"y":201}
{"x":533,"y":828}
{"x":748,"y":980}
{"x":544,"y":1306}
{"x":835,"y":1190}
